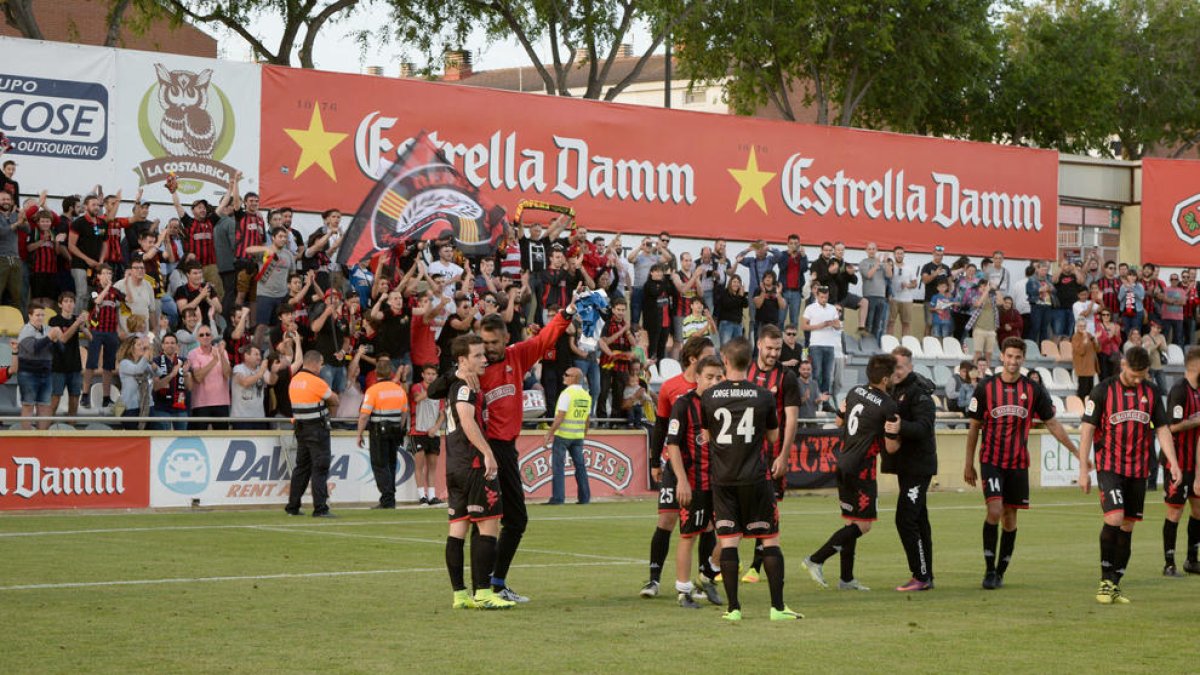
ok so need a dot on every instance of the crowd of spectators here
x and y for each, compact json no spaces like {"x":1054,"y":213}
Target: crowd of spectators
{"x":208,"y":314}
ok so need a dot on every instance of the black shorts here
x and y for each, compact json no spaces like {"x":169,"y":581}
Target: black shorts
{"x":430,"y":445}
{"x":696,"y":517}
{"x":472,"y":497}
{"x":858,"y":496}
{"x":1009,"y":485}
{"x":667,"y":501}
{"x":1178,"y":495}
{"x":1121,"y":493}
{"x":746,"y":510}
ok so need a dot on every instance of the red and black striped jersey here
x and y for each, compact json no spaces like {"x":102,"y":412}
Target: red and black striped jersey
{"x":1108,"y":293}
{"x":43,"y":259}
{"x":106,"y":310}
{"x":782,"y":384}
{"x":668,"y":393}
{"x":233,"y":346}
{"x":115,"y":228}
{"x":1183,"y":403}
{"x":1123,"y":417}
{"x":251,"y":231}
{"x":622,"y":348}
{"x":685,"y":431}
{"x":1005,"y":412}
{"x":1152,"y":286}
{"x":199,"y":239}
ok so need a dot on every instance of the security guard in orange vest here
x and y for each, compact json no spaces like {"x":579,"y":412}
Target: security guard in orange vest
{"x":312,"y":399}
{"x":385,"y":407}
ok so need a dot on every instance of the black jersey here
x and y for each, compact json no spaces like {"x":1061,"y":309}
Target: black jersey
{"x":461,"y":455}
{"x":1122,"y":416}
{"x":1183,"y":403}
{"x":737,"y":416}
{"x":1005,"y":411}
{"x":867,"y":409}
{"x":684,"y":432}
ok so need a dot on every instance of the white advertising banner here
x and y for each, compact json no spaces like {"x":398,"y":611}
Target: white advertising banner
{"x":239,"y":470}
{"x":193,"y":117}
{"x":81,"y":116}
{"x":57,"y":109}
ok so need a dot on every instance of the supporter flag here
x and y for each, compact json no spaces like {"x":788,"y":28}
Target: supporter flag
{"x":422,"y":197}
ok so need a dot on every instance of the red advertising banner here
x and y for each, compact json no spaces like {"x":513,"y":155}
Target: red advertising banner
{"x":1171,"y":211}
{"x":327,"y":138}
{"x":74,"y":473}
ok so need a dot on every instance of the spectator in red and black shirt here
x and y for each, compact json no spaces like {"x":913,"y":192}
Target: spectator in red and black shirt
{"x":198,"y":227}
{"x":616,"y":347}
{"x":1002,"y":410}
{"x":692,"y":466}
{"x":1191,"y":308}
{"x":1109,"y":284}
{"x":237,"y":334}
{"x":115,"y":235}
{"x":197,"y":292}
{"x":1117,"y":417}
{"x":1183,"y":406}
{"x":43,"y":253}
{"x":1155,"y":294}
{"x":105,"y":328}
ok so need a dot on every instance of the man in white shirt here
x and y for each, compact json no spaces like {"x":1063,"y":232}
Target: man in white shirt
{"x":446,"y":270}
{"x":824,"y":325}
{"x":139,"y":295}
{"x":998,"y":277}
{"x":1087,"y":308}
{"x":904,"y":289}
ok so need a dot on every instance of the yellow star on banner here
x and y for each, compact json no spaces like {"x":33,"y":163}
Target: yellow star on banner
{"x":751,"y":182}
{"x":316,"y":144}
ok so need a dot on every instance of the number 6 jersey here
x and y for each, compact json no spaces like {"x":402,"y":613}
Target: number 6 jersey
{"x":737,"y":416}
{"x":867,"y":409}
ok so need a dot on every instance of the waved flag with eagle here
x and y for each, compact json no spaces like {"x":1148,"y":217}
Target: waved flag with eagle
{"x":422,"y":197}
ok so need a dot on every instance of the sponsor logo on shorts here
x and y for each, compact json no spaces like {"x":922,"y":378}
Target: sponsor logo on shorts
{"x":759,"y":525}
{"x":846,"y":506}
{"x":1009,"y":411}
{"x":1139,"y":416}
{"x":726,"y":524}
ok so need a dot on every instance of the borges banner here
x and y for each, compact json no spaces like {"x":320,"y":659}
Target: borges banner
{"x":327,"y":138}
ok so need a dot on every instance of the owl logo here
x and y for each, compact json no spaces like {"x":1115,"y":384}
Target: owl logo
{"x":186,"y":127}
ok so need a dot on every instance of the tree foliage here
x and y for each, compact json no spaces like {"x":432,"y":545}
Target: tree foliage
{"x":581,"y":34}
{"x":902,"y":64}
{"x":302,"y":22}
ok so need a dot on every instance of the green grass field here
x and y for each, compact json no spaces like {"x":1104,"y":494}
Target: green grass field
{"x":256,"y":591}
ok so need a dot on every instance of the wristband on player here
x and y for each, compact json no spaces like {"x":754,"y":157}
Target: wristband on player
{"x":891,"y":437}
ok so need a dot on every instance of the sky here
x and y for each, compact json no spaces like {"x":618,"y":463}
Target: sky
{"x":336,"y":50}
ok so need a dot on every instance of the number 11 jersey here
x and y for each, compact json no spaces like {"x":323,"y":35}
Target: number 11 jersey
{"x":737,"y":416}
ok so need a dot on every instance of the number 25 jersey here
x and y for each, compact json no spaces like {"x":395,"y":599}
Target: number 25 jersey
{"x":737,"y":416}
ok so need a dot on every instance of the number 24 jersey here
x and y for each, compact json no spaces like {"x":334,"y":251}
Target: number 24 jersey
{"x":737,"y":416}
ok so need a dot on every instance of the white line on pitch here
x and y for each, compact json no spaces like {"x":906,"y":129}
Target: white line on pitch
{"x":536,"y":518}
{"x":258,"y":577}
{"x":442,"y":542}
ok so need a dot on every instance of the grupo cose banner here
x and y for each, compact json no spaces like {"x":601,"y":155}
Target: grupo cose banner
{"x":81,"y":116}
{"x":57,"y":108}
{"x":74,"y":473}
{"x":328,"y":137}
{"x":1171,"y":211}
{"x":239,"y":470}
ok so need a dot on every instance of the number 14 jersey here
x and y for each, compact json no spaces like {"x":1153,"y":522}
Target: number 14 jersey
{"x":737,"y":416}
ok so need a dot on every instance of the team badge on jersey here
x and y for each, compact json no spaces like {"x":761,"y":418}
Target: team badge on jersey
{"x":464,"y":394}
{"x":1178,"y":412}
{"x":673,"y":428}
{"x":1090,"y":408}
{"x":974,"y":405}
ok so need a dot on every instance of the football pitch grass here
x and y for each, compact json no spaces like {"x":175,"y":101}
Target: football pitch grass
{"x":256,"y":591}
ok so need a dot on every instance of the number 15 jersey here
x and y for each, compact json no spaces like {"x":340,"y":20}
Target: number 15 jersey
{"x":737,"y":416}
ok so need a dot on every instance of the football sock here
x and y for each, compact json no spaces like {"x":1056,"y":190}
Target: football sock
{"x":708,"y":542}
{"x":1123,"y":552}
{"x":684,"y":587}
{"x":757,"y":563}
{"x":420,"y":493}
{"x":1110,"y":545}
{"x":506,"y":550}
{"x":454,"y":562}
{"x":836,"y":543}
{"x":848,"y":558}
{"x":1170,"y":534}
{"x":729,"y":576}
{"x":1193,"y":537}
{"x":660,"y":545}
{"x":990,"y":534}
{"x":772,"y":559}
{"x":483,"y":553}
{"x":1007,"y":541}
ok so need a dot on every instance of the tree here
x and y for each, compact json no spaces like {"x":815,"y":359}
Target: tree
{"x":1159,"y":106}
{"x":581,"y":33}
{"x":1060,"y":81}
{"x":881,"y":63}
{"x":20,"y":15}
{"x":302,"y":22}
